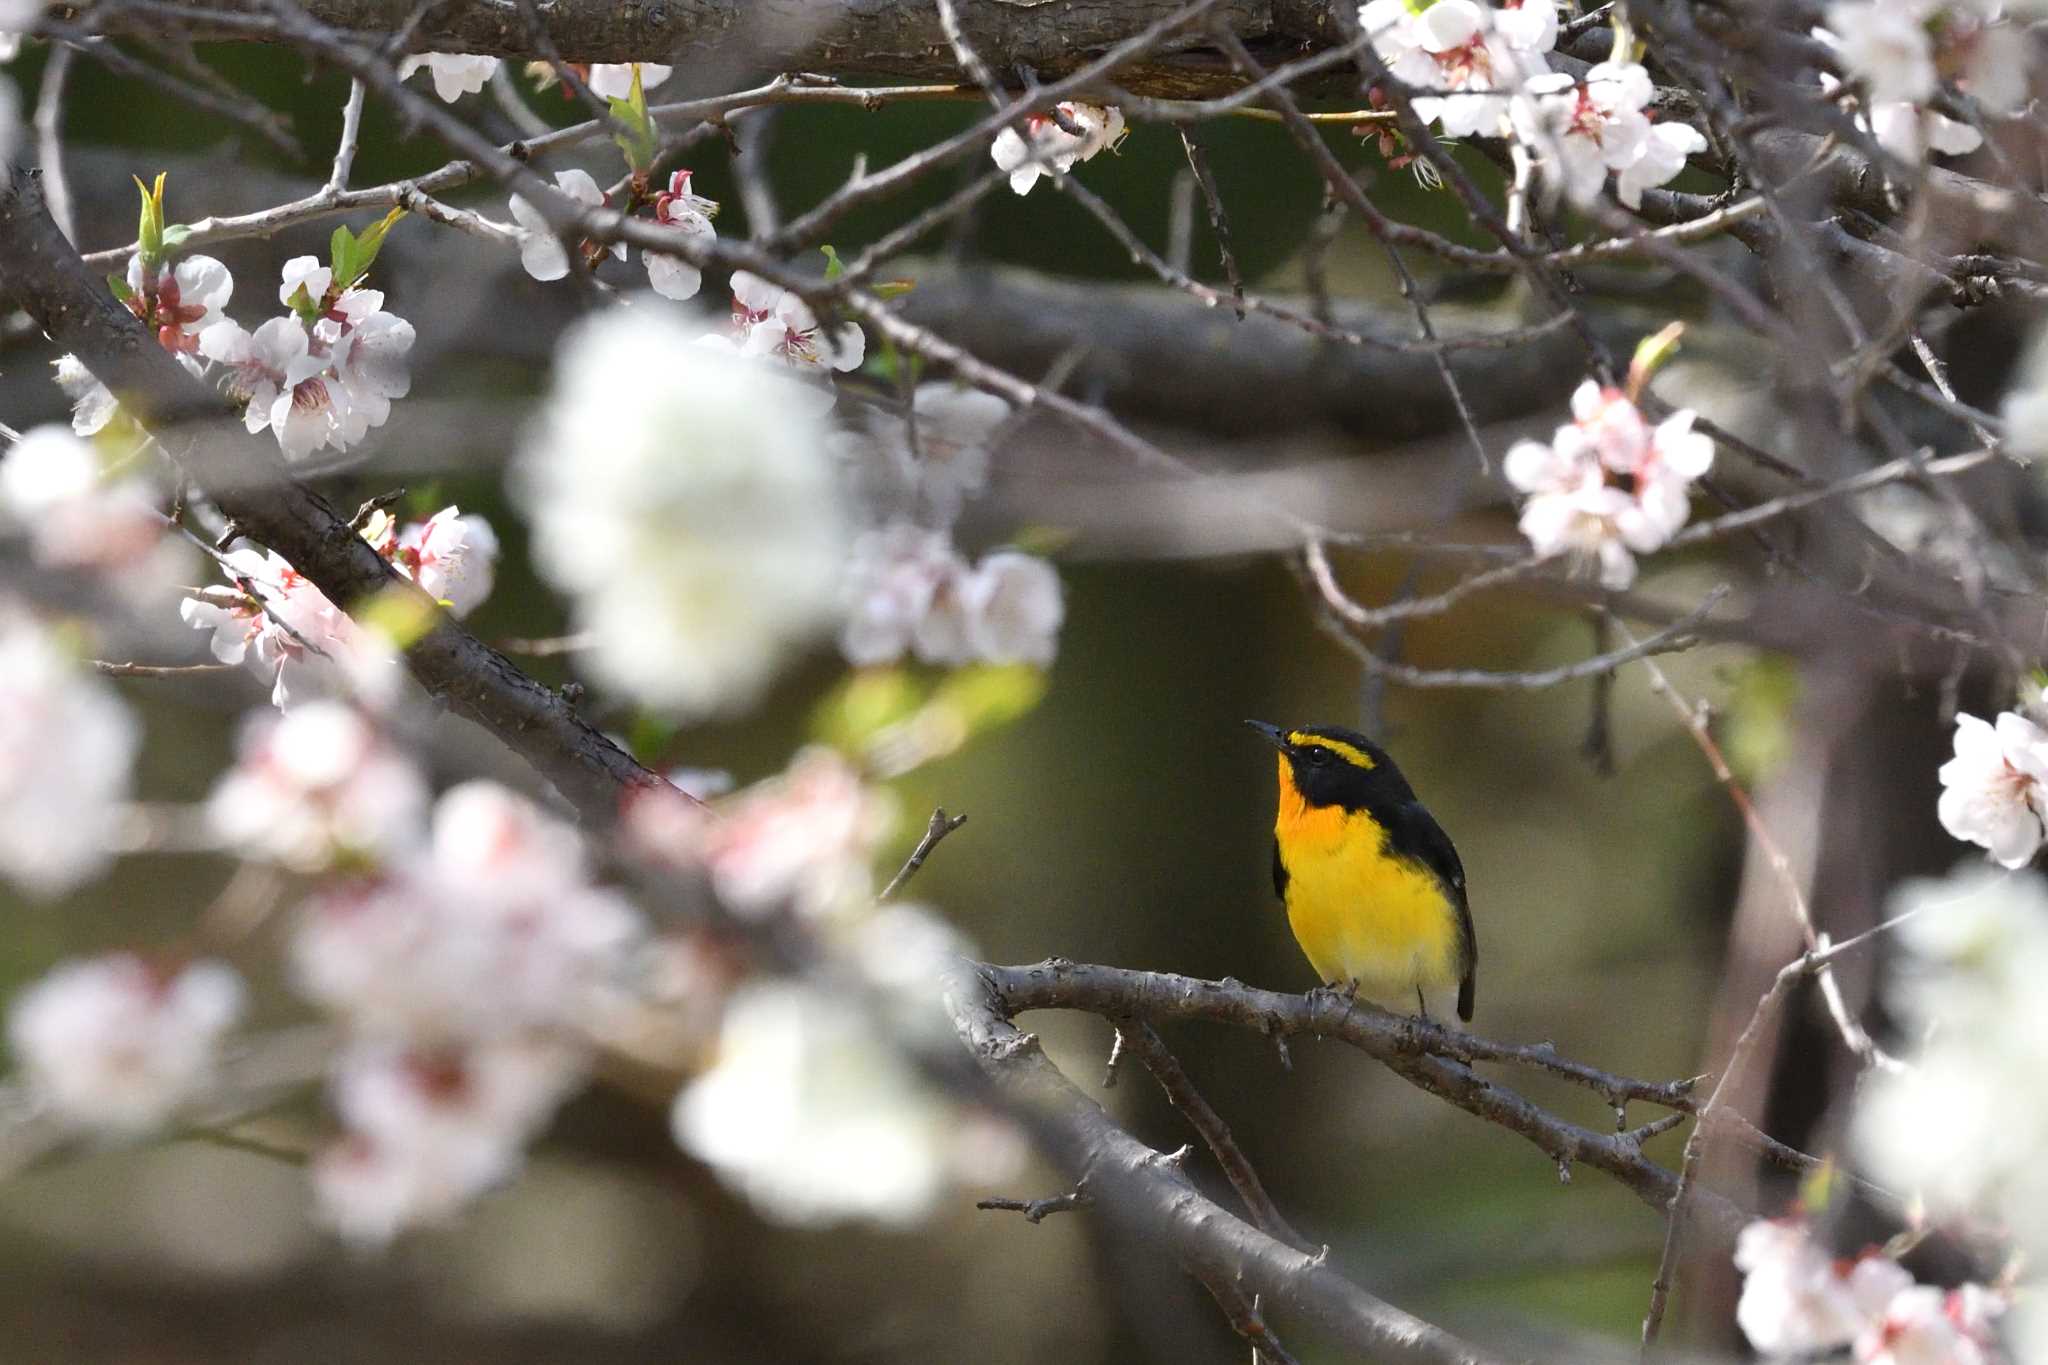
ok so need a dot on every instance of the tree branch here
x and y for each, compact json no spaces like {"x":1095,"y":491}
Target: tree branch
{"x":42,"y":274}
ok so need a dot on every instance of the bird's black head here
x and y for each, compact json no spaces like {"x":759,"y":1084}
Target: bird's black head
{"x":1327,"y":765}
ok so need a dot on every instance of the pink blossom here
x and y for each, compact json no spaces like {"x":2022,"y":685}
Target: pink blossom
{"x":1799,"y":1299}
{"x":1923,"y":1325}
{"x":179,"y":305}
{"x":804,"y":840}
{"x":53,"y":486}
{"x":776,"y":324}
{"x":116,"y":1044}
{"x":1465,"y":57}
{"x":281,"y":625}
{"x":451,"y":556}
{"x":317,"y":786}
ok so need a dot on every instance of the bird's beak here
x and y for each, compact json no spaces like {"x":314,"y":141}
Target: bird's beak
{"x":1273,"y":733}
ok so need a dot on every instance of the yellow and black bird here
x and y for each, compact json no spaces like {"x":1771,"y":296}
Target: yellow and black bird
{"x":1374,"y":890}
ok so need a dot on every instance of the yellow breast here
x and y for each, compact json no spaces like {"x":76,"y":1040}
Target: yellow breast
{"x":1359,"y":912}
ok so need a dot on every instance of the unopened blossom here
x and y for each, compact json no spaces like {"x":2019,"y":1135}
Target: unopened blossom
{"x":92,"y":403}
{"x":1047,"y":146}
{"x":427,"y":1130}
{"x":1926,"y":1325}
{"x":687,"y":502}
{"x":67,"y":749}
{"x":814,"y":1117}
{"x":1994,"y":792}
{"x":455,"y":74}
{"x":803,"y":840}
{"x":316,"y":786}
{"x":1468,"y":56}
{"x":284,"y":382}
{"x":179,"y":302}
{"x":1608,"y":486}
{"x":1799,"y":1298}
{"x":282,"y":626}
{"x":689,"y":215}
{"x":614,"y":80}
{"x":776,"y":324}
{"x":540,"y":249}
{"x":452,"y":556}
{"x":55,"y":490}
{"x":116,"y":1044}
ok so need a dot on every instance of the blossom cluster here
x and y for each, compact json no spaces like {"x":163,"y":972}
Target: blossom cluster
{"x":1482,"y":71}
{"x":1799,"y":1299}
{"x":279,"y":623}
{"x":1608,"y":486}
{"x":912,"y":592}
{"x":1900,"y":51}
{"x":676,"y":207}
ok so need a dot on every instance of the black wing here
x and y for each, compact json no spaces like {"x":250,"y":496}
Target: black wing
{"x":1416,"y":833}
{"x":1279,"y":873}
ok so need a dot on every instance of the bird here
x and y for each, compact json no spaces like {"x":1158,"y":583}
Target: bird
{"x":1373,"y":888}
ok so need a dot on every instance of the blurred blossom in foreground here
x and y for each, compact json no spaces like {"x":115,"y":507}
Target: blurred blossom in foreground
{"x":426,"y":1131}
{"x":686,"y":501}
{"x":1965,"y":1126}
{"x":813,"y":1117}
{"x":1992,"y":791}
{"x":491,"y":931}
{"x":2025,"y":407}
{"x":1608,"y":486}
{"x":936,"y":469}
{"x":316,"y":786}
{"x":56,"y":490}
{"x":1798,"y":1298}
{"x":67,"y":747}
{"x":802,"y":840}
{"x":1045,"y":146}
{"x":92,"y":403}
{"x":115,"y":1044}
{"x":283,"y":627}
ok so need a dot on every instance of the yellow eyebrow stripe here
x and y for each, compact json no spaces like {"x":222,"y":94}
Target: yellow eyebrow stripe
{"x":1351,"y":753}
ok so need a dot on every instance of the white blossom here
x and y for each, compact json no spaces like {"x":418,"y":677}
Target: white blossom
{"x":895,"y":577}
{"x":453,"y":557}
{"x":1662,"y":157}
{"x":1798,"y":1298}
{"x":1581,"y":131}
{"x":284,"y":382}
{"x":366,"y":350}
{"x":53,"y":487}
{"x":115,"y":1044}
{"x":540,"y":250}
{"x":180,"y":304}
{"x":1885,"y":43}
{"x":1910,"y":132}
{"x":944,"y":464}
{"x":1014,"y":607}
{"x":1046,"y":146}
{"x":1608,"y":486}
{"x":92,"y":403}
{"x":1992,"y":790}
{"x":493,"y":930}
{"x":315,"y":786}
{"x":614,"y":80}
{"x":455,"y":74}
{"x":1924,"y":1325}
{"x":686,"y":500}
{"x":689,"y":214}
{"x":67,"y":748}
{"x":814,"y":1117}
{"x":1467,"y":56}
{"x":428,"y":1130}
{"x":773,"y":323}
{"x":284,"y":628}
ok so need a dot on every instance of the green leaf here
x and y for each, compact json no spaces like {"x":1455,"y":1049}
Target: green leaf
{"x":150,"y":229}
{"x":1651,"y":354}
{"x":175,"y":235}
{"x":351,"y":256}
{"x":869,"y":701}
{"x":834,"y":267}
{"x":893,"y":289}
{"x":985,"y":696}
{"x":119,"y":285}
{"x":636,"y":135}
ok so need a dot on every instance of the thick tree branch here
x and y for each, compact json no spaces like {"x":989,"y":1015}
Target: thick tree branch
{"x":862,"y":38}
{"x":42,"y":274}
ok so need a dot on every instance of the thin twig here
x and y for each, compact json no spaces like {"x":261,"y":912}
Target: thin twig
{"x":940,"y":826}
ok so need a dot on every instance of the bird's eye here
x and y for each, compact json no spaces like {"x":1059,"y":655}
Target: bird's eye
{"x":1318,"y":756}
